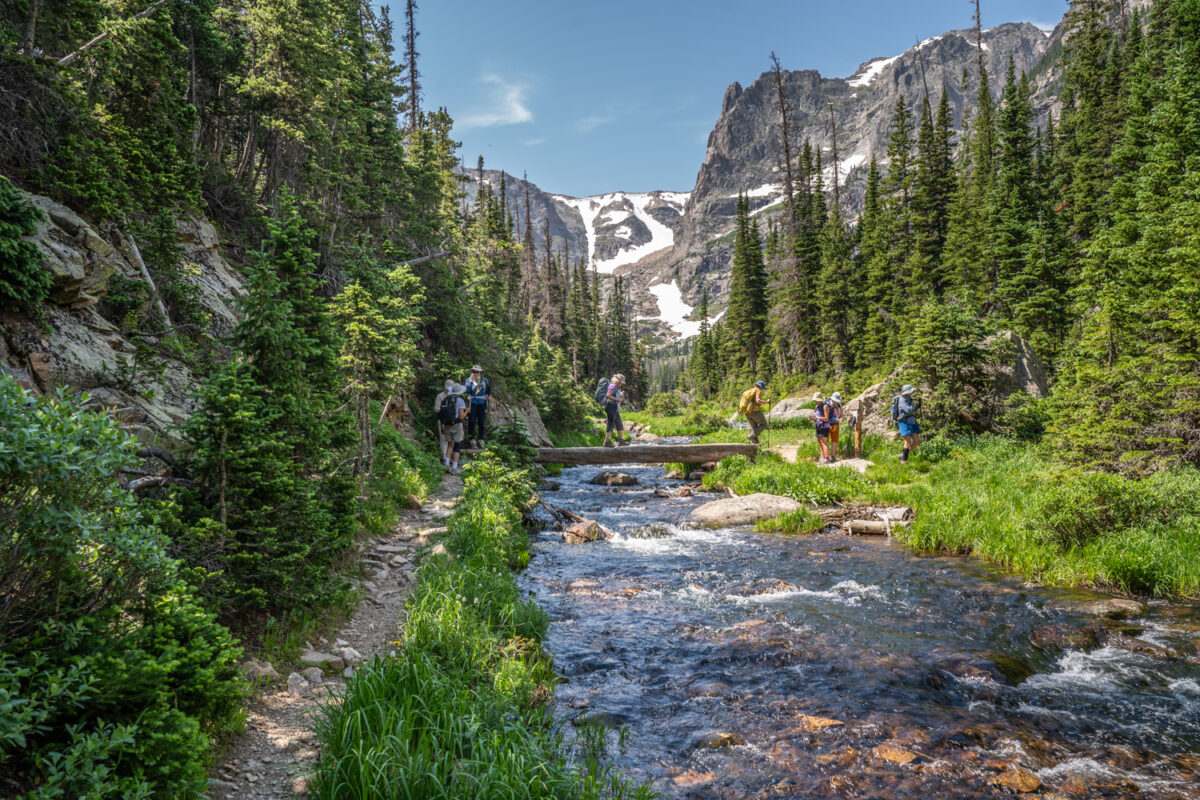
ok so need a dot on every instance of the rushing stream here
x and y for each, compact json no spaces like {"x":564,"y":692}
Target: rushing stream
{"x":727,"y":654}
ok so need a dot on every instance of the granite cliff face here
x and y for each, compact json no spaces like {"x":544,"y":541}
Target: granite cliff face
{"x":744,"y":146}
{"x":77,"y":344}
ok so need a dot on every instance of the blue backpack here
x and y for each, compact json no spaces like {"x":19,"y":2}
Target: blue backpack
{"x":602,"y":391}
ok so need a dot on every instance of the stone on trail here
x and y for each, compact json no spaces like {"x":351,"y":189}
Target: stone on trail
{"x":587,"y":531}
{"x":608,"y":478}
{"x":298,"y":686}
{"x":323,"y":660}
{"x":1018,"y":779}
{"x":735,"y":511}
{"x":259,"y":671}
{"x":314,"y":675}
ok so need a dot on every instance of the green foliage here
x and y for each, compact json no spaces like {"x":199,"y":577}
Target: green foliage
{"x":803,"y":481}
{"x":792,"y":522}
{"x":401,"y":470}
{"x":112,"y":678}
{"x":460,"y":713}
{"x":665,"y":404}
{"x":24,"y":283}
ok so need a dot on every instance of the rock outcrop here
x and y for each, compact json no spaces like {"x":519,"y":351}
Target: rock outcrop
{"x":504,"y":410}
{"x":78,"y":344}
{"x":791,"y":408}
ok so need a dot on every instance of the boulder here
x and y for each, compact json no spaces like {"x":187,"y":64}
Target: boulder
{"x":608,"y":478}
{"x":259,"y":671}
{"x":503,"y":409}
{"x":736,"y":511}
{"x":298,"y":686}
{"x":791,"y":408}
{"x":1112,"y":608}
{"x":586,"y":531}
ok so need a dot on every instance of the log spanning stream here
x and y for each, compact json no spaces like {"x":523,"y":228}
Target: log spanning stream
{"x":729,"y":654}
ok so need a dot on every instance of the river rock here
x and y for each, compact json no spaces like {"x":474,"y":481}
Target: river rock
{"x":1061,"y":636}
{"x":1112,"y":608}
{"x":813,"y":724}
{"x":736,"y":511}
{"x":608,"y":478}
{"x":709,"y":689}
{"x":1018,"y":779}
{"x":715,"y":740}
{"x":692,"y":778}
{"x":587,"y":531}
{"x":1140,"y":646}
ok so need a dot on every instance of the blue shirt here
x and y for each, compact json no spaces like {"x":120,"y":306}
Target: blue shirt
{"x":478,"y":391}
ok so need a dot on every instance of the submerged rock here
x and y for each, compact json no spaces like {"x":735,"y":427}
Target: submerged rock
{"x":734,"y":511}
{"x":1112,"y":608}
{"x":715,"y":740}
{"x":1018,"y":779}
{"x":894,"y":754}
{"x":1061,"y":636}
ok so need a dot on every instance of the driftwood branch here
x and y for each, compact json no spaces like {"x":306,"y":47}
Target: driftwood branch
{"x":137,"y":254}
{"x":423,"y":259}
{"x":155,"y":481}
{"x":67,"y":59}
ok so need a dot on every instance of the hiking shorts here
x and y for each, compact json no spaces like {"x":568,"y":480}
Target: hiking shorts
{"x":833,"y":433}
{"x":822,"y":431}
{"x":909,"y":427}
{"x":612,"y":412}
{"x":451,"y":435}
{"x":758,"y":423}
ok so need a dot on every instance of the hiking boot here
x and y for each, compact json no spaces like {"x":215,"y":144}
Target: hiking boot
{"x":482,"y":444}
{"x":472,"y":444}
{"x":624,"y":443}
{"x":608,"y":444}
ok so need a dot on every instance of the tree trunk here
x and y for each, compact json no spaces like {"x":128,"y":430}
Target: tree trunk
{"x":30,"y":28}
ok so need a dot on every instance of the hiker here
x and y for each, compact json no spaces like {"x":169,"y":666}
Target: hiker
{"x":823,"y":422}
{"x":751,"y":405}
{"x":614,"y":396}
{"x":904,"y":411}
{"x":836,"y":416}
{"x":451,"y":410}
{"x":478,"y":392}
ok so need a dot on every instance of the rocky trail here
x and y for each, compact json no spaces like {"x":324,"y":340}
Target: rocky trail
{"x":271,"y":759}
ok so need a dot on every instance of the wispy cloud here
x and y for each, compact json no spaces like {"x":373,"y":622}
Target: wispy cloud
{"x":535,"y":142}
{"x":506,"y":107}
{"x":590,"y":123}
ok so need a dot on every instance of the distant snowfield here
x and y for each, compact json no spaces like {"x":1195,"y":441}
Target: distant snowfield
{"x":868,"y":75}
{"x":674,"y":312}
{"x":592,"y":211}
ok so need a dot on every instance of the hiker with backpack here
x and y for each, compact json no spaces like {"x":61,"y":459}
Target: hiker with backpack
{"x":478,"y":392}
{"x":613,"y":398}
{"x":451,"y":410}
{"x":836,"y":415}
{"x":904,"y":412}
{"x":824,"y":421}
{"x":751,"y":405}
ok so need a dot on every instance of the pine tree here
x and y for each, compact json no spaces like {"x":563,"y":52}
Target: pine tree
{"x":746,"y":319}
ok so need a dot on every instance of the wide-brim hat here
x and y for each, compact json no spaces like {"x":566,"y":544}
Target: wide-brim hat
{"x":458,"y":389}
{"x":761,"y":384}
{"x":618,"y":378}
{"x":476,"y":368}
{"x":818,"y":397}
{"x":907,"y":389}
{"x":836,"y":397}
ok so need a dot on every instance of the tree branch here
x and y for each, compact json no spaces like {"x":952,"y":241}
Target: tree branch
{"x":67,"y":59}
{"x":154,"y":481}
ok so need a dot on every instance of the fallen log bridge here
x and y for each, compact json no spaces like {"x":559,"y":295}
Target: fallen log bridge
{"x":644,"y":454}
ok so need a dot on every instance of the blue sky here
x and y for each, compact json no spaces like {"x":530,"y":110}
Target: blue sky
{"x":620,"y":95}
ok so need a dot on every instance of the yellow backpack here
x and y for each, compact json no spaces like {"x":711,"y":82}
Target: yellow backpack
{"x":747,"y":404}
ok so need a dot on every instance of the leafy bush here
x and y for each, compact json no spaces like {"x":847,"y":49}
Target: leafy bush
{"x":665,"y":404}
{"x":112,"y":678}
{"x":401,"y":468}
{"x":24,"y":283}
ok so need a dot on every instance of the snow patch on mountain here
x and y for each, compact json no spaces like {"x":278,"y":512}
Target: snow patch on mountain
{"x":674,"y":312}
{"x":864,"y":77}
{"x":595,"y":212}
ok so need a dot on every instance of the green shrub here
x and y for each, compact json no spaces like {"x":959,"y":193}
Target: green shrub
{"x":804,"y":481}
{"x":401,"y":468}
{"x":112,"y":678}
{"x":665,"y":404}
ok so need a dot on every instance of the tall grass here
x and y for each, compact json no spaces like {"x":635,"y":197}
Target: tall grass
{"x":461,"y":711}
